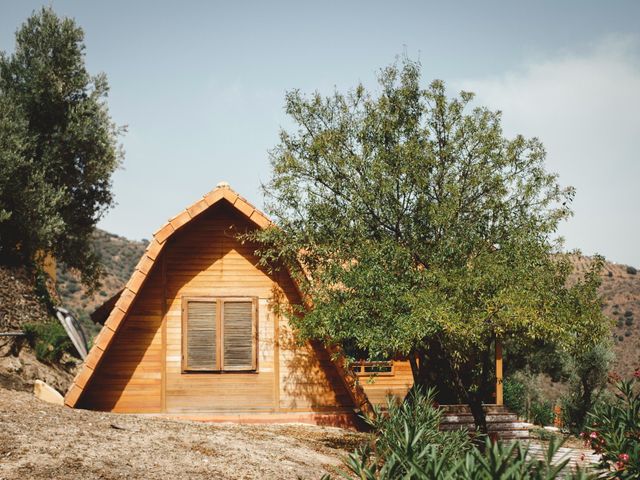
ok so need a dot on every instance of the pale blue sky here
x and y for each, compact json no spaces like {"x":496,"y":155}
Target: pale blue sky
{"x":201,"y":86}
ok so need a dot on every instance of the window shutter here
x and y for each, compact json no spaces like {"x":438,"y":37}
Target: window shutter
{"x":238,"y":328}
{"x":202,"y":335}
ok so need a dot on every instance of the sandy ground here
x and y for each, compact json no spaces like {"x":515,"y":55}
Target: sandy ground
{"x":43,"y":441}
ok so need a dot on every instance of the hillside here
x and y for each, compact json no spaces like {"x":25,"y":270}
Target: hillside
{"x":21,"y":308}
{"x":119,"y":256}
{"x":620,"y":290}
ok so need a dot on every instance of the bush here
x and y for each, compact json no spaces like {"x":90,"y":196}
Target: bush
{"x":407,"y":460}
{"x":515,"y":396}
{"x":615,"y":431}
{"x":628,"y":321}
{"x":589,"y":379}
{"x":631,"y":270}
{"x":417,"y":411}
{"x":49,"y":340}
{"x":628,"y":314}
{"x":542,"y":413}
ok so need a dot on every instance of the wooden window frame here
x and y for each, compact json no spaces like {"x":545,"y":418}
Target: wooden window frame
{"x":220,"y":301}
{"x":359,"y":368}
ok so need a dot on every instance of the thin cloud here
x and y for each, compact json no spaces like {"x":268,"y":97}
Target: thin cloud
{"x":585,"y":108}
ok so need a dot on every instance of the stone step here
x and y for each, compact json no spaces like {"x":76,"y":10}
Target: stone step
{"x":492,"y":427}
{"x":468,"y":418}
{"x":462,"y":409}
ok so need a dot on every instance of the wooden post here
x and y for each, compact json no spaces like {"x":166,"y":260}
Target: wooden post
{"x":499,"y":393}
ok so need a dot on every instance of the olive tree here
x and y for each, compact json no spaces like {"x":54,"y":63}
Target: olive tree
{"x":58,"y":146}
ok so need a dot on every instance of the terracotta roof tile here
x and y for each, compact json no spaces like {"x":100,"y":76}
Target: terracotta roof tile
{"x":83,"y":377}
{"x":72,"y":396}
{"x":93,"y":358}
{"x":104,"y":338}
{"x":164,"y":233}
{"x":125,"y":300}
{"x":115,"y":318}
{"x":180,"y":219}
{"x":153,"y":249}
{"x":145,"y":264}
{"x":136,"y":281}
{"x":197,"y":208}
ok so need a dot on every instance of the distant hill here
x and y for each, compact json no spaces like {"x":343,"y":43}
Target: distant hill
{"x":620,"y":290}
{"x":119,"y":257}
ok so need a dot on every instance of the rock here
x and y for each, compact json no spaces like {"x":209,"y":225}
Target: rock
{"x":46,"y":393}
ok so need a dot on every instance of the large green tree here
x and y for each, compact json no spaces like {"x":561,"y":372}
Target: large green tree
{"x":58,"y":146}
{"x":415,"y":228}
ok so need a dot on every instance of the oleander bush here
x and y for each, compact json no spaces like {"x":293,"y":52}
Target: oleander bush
{"x":614,"y":432}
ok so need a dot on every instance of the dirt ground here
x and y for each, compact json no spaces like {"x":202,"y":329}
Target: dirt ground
{"x":43,"y":441}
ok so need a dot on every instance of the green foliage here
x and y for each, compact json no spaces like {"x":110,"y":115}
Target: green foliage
{"x":590,"y":369}
{"x":57,"y":146}
{"x":418,"y":409}
{"x":515,"y":396}
{"x":417,"y":228}
{"x":615,"y":431}
{"x":49,"y":340}
{"x":496,"y":461}
{"x":631,"y":270}
{"x":541,"y":413}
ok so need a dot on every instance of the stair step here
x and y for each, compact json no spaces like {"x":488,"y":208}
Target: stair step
{"x":492,"y":427}
{"x":507,"y":417}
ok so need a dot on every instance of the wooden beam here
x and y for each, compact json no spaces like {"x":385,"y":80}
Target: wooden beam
{"x":499,"y":391}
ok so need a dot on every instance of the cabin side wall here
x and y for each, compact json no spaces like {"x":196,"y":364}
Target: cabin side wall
{"x":379,"y":387}
{"x":129,"y":377}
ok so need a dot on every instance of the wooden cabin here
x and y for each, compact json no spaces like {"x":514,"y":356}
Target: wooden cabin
{"x":196,"y":334}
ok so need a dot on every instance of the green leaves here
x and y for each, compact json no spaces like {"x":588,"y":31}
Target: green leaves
{"x":59,"y":146}
{"x":416,"y":228}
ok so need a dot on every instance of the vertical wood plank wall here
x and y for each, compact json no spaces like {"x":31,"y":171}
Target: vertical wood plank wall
{"x":129,"y":377}
{"x":205,"y":259}
{"x":379,"y":387}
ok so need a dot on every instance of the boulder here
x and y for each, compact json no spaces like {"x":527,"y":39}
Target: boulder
{"x":49,"y":394}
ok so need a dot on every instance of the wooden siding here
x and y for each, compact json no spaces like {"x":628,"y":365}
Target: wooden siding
{"x":129,"y":378}
{"x":379,"y":387}
{"x":142,"y":370}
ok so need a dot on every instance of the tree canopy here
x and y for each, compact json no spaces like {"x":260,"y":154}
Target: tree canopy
{"x":415,"y":228}
{"x":58,"y":146}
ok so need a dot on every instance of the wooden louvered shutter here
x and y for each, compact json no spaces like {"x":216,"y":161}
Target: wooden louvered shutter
{"x":201,"y":336}
{"x":239,"y":352}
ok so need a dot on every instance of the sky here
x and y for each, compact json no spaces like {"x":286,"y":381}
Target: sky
{"x":200,"y":86}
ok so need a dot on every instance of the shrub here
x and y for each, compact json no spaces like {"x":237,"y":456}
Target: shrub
{"x":627,"y":333}
{"x":49,"y":340}
{"x":542,"y":413}
{"x":631,"y":270}
{"x":515,"y":396}
{"x":628,"y":321}
{"x":589,"y":379}
{"x":496,"y":461}
{"x":620,"y":338}
{"x":628,"y":314}
{"x":418,"y":410}
{"x":615,"y":431}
